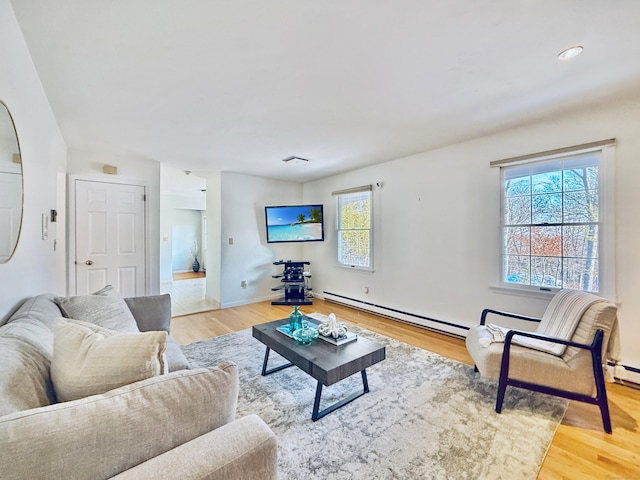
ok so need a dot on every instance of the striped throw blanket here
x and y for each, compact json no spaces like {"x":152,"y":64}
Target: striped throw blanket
{"x":559,"y":320}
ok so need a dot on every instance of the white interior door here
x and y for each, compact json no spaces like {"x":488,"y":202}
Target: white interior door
{"x":110,"y":237}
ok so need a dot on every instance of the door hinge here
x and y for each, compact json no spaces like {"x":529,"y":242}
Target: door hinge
{"x":144,"y":197}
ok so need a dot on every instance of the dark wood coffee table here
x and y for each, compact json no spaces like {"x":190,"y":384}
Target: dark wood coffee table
{"x":327,"y":363}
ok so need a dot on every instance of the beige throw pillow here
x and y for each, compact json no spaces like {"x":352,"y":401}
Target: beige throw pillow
{"x":89,"y":360}
{"x":105,"y":308}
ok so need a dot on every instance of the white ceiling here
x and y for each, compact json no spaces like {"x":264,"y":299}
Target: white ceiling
{"x":238,"y":85}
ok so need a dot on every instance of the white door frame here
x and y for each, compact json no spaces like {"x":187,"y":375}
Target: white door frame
{"x":71,"y":225}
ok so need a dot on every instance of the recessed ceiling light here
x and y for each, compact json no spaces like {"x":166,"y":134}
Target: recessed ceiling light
{"x":570,"y":53}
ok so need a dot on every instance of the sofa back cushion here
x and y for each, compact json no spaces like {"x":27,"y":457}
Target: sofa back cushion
{"x":105,"y":308}
{"x":24,"y":372}
{"x":152,"y":313}
{"x":26,"y":348}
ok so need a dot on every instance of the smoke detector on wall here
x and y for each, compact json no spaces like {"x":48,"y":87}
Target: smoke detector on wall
{"x":296,"y":160}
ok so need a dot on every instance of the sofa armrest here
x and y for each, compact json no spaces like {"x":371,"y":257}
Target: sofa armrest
{"x":152,"y":313}
{"x":102,"y":435}
{"x":245,"y":449}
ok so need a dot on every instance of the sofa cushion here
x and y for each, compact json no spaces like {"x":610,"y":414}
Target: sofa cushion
{"x":103,"y":435}
{"x":105,"y":308}
{"x":175,"y":357}
{"x":41,"y":308}
{"x":24,"y":371}
{"x":26,"y":347}
{"x":245,"y":449}
{"x":152,"y":312}
{"x":88,"y":359}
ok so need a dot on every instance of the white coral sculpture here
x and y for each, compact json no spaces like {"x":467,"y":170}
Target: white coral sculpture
{"x":332,"y":327}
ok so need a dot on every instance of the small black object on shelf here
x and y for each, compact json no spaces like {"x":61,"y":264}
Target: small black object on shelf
{"x":293,"y":283}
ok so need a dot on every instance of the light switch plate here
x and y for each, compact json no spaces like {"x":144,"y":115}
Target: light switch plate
{"x":45,"y":226}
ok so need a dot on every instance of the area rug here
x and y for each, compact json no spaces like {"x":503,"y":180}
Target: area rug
{"x":426,"y":417}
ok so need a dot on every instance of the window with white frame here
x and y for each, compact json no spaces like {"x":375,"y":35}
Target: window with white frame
{"x":355,"y":231}
{"x":552,"y":220}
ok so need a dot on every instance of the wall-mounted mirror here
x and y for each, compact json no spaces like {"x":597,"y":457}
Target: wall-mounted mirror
{"x":10,"y":185}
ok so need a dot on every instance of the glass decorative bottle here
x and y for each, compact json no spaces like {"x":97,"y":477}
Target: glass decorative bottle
{"x":306,"y":334}
{"x":295,"y":320}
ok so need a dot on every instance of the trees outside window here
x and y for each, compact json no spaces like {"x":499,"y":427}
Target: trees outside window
{"x":355,"y":229}
{"x":551,"y":223}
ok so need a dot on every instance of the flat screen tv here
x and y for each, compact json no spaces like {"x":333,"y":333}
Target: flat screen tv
{"x":294,"y":223}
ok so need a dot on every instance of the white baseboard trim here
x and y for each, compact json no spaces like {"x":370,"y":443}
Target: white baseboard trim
{"x":248,"y":301}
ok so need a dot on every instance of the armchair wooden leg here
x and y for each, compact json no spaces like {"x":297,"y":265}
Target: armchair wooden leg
{"x":606,"y":418}
{"x":502,"y":389}
{"x":601,"y":393}
{"x":504,"y":376}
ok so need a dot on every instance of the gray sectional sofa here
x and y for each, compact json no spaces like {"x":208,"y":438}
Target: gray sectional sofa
{"x":178,"y":425}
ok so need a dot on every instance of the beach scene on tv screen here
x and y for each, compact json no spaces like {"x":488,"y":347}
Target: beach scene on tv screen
{"x":294,"y":223}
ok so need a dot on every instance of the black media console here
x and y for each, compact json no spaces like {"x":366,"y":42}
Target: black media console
{"x":294,"y":283}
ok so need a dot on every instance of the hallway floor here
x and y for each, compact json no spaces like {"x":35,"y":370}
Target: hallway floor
{"x":187,"y":292}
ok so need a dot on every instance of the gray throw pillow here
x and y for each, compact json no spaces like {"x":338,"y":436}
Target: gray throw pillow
{"x":105,"y":308}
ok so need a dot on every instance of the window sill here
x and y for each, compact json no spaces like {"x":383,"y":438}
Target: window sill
{"x":531,"y":292}
{"x":357,"y":269}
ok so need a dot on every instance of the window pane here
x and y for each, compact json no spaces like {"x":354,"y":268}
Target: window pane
{"x":582,"y":274}
{"x":516,"y":269}
{"x":517,"y":241}
{"x":517,"y":211}
{"x":353,"y":247}
{"x":581,"y":206}
{"x":546,"y":177}
{"x":546,"y":241}
{"x":546,"y":271}
{"x":354,"y":212}
{"x":517,"y":186}
{"x":547,"y":208}
{"x":580,"y":241}
{"x":581,"y":173}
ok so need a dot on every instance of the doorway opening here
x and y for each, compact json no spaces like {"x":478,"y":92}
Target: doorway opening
{"x":184,"y":241}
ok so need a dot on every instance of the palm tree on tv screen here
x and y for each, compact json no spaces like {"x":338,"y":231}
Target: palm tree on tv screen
{"x":315,"y":215}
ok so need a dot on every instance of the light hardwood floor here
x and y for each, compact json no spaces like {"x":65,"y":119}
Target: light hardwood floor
{"x":580,"y":448}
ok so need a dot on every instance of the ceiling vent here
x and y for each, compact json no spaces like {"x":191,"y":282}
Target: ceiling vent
{"x":298,"y":160}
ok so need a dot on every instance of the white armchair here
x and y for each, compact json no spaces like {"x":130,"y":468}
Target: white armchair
{"x":585,"y":328}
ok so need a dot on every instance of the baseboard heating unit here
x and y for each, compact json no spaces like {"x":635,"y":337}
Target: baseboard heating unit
{"x":401,"y":315}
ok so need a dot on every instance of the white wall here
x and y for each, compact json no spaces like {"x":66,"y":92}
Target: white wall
{"x":32,"y":270}
{"x":250,"y":258}
{"x":213,"y":253}
{"x":436,"y":252}
{"x":87,"y":163}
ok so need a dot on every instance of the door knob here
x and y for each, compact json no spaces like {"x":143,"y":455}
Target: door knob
{"x":89,"y":262}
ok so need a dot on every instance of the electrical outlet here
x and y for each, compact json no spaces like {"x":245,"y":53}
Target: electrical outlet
{"x":243,"y":284}
{"x":366,"y":289}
